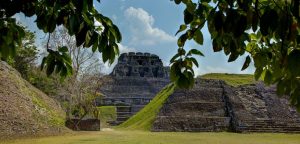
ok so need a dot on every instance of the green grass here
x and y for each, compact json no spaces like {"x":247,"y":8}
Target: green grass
{"x":107,"y":113}
{"x":144,"y":119}
{"x":142,"y":137}
{"x":231,"y":79}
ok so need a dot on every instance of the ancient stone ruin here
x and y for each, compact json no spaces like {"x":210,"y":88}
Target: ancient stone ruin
{"x":212,"y":105}
{"x":135,"y":80}
{"x":140,"y":65}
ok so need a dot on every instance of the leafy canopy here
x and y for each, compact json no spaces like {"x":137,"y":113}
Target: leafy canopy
{"x":79,"y":17}
{"x":266,"y":30}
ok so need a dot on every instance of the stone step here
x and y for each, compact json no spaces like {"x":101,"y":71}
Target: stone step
{"x":190,"y":123}
{"x":201,"y":94}
{"x":270,"y":131}
{"x":122,"y":119}
{"x":124,"y":114}
{"x":194,"y":108}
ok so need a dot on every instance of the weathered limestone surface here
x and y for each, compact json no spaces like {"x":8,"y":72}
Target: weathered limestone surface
{"x":135,"y":80}
{"x":256,"y":108}
{"x":214,"y":106}
{"x":139,"y":65}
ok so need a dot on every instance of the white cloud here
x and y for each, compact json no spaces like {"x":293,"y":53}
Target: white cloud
{"x":125,"y":49}
{"x":142,"y":30}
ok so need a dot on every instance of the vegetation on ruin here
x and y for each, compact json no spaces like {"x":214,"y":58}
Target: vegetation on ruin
{"x":142,"y":137}
{"x":144,"y":119}
{"x":231,"y":79}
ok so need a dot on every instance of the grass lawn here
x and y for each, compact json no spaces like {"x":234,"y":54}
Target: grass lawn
{"x":143,"y":137}
{"x":231,"y":79}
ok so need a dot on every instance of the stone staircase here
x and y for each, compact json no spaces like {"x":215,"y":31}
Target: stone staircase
{"x":267,"y":125}
{"x":123,"y":113}
{"x":190,"y":123}
{"x":214,"y":106}
{"x":201,"y":109}
{"x":256,"y":108}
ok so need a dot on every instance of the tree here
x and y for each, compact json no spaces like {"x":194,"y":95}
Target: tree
{"x":84,"y":102}
{"x":268,"y":31}
{"x":80,"y":89}
{"x":79,"y":17}
{"x":82,"y":58}
{"x":26,"y":55}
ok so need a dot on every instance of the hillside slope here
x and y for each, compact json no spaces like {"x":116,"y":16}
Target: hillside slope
{"x":231,"y":79}
{"x":25,"y":110}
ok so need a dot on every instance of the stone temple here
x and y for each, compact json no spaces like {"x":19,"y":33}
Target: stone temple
{"x":211,"y":105}
{"x":133,"y":83}
{"x":140,"y":65}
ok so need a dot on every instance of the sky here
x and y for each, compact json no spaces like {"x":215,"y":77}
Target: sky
{"x":150,"y":26}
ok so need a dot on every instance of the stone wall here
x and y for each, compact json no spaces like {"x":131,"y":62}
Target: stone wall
{"x":84,"y":125}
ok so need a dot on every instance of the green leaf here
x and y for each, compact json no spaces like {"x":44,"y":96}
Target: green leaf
{"x":264,"y":24}
{"x":181,"y":51}
{"x":185,"y":80}
{"x":268,"y":77}
{"x":257,"y":73}
{"x":182,"y":28}
{"x":233,"y":57}
{"x":50,"y":66}
{"x":175,"y":70}
{"x":188,"y":17}
{"x":254,"y":22}
{"x":260,"y":60}
{"x":273,"y":19}
{"x":177,"y":1}
{"x":174,"y":58}
{"x":218,"y":20}
{"x":216,"y":46}
{"x":63,"y":49}
{"x":196,"y":52}
{"x":247,"y":62}
{"x":43,"y":63}
{"x":294,"y":62}
{"x":181,"y":40}
{"x":198,"y":37}
{"x":95,"y":45}
{"x":194,"y":61}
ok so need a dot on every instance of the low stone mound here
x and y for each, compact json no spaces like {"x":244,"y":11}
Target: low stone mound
{"x":213,"y":105}
{"x":24,"y":110}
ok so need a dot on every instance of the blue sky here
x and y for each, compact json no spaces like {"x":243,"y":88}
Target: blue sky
{"x":150,"y":26}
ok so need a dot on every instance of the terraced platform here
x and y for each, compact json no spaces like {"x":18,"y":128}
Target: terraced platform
{"x":213,"y":105}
